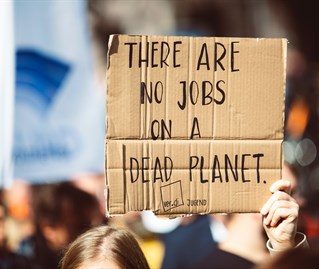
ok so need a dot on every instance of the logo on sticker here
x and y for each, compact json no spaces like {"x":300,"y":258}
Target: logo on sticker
{"x":172,"y":195}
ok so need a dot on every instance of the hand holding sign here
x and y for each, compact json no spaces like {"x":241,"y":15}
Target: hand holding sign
{"x":280,"y":216}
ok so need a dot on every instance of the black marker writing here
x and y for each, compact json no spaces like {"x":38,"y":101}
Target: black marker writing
{"x":193,"y":92}
{"x":153,"y":54}
{"x":224,"y":169}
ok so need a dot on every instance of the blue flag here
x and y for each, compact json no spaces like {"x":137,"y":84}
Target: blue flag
{"x":59,"y":107}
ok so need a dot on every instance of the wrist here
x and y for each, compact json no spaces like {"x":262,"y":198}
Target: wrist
{"x":281,"y":246}
{"x":300,"y":241}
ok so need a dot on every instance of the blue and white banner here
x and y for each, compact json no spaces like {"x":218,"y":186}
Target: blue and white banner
{"x":59,"y":108}
{"x":6,"y":92}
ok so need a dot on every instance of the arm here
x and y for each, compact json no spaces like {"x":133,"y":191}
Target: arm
{"x":280,"y":219}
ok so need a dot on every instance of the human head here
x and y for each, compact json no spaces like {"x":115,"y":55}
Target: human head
{"x":62,"y":212}
{"x":104,"y":247}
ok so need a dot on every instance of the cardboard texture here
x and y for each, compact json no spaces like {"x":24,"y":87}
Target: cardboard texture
{"x":194,"y":125}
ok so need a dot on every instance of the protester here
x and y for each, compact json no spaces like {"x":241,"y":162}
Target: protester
{"x":61,"y":213}
{"x":302,"y":101}
{"x":147,"y":232}
{"x":245,"y":246}
{"x":104,"y":247}
{"x":8,"y":259}
{"x":194,"y":233}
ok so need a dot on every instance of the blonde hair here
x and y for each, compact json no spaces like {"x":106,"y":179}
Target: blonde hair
{"x":102,"y":244}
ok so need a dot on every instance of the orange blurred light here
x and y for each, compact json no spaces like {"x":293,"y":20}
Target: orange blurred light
{"x":297,"y":119}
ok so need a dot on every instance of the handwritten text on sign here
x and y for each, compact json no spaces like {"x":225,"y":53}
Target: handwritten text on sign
{"x":211,"y":57}
{"x":194,"y":122}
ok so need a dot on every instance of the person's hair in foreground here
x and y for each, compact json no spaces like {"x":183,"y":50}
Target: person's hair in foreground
{"x":107,"y":247}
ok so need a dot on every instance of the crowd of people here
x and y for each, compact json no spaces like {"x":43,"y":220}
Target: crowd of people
{"x":71,"y":232}
{"x":64,"y":225}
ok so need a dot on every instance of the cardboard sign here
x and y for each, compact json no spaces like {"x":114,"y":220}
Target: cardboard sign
{"x":194,"y":125}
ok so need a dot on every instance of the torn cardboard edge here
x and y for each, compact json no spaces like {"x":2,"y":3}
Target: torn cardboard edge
{"x":183,"y":139}
{"x":158,"y":170}
{"x":185,"y":103}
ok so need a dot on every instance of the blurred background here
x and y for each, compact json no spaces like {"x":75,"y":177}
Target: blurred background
{"x":52,"y":118}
